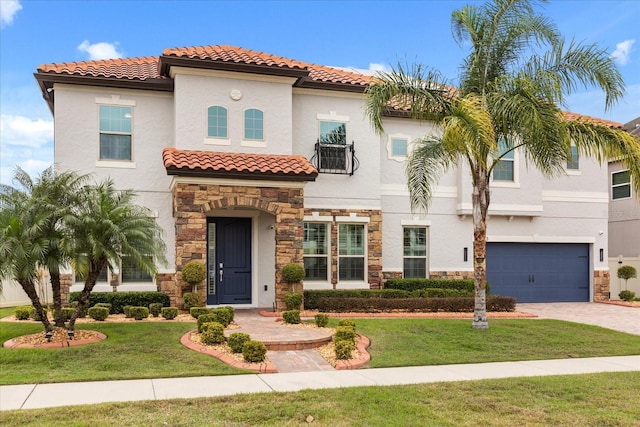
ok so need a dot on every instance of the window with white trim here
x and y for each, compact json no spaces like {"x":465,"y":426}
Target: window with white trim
{"x":414,"y":255}
{"x":574,"y":161}
{"x":504,"y":168}
{"x":316,"y":251}
{"x":217,"y":122}
{"x":115,"y":132}
{"x":351,"y":252}
{"x":399,"y":147}
{"x":620,"y":185}
{"x":132,"y":273}
{"x":102,"y":277}
{"x":254,"y":124}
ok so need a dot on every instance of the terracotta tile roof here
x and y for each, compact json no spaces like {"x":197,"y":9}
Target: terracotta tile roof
{"x":141,"y":68}
{"x":219,"y":164}
{"x":575,"y":116}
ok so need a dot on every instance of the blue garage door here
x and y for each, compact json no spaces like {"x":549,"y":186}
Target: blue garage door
{"x":539,"y":272}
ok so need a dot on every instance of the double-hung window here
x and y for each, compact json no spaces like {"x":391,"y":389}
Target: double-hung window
{"x":217,"y":122}
{"x":351,"y":252}
{"x":254,"y":124}
{"x":574,"y":161}
{"x":620,"y":185}
{"x":115,"y":132}
{"x":316,"y":251}
{"x":103,"y":277}
{"x":131,"y":272}
{"x":504,"y":168}
{"x":414,"y":252}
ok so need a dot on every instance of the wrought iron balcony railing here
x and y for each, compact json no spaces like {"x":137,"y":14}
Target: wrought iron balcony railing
{"x":335,"y":158}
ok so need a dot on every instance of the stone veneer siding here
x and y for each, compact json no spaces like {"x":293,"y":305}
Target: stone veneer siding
{"x":601,"y":285}
{"x":374,"y":241}
{"x":193,"y":203}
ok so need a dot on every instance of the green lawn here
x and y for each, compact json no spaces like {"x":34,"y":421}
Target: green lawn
{"x":609,"y":399}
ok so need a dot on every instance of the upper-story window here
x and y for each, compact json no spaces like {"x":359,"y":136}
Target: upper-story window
{"x":574,"y":161}
{"x":414,"y":254}
{"x":115,"y":132}
{"x":253,"y":124}
{"x":504,"y":168}
{"x":217,"y":122}
{"x":399,"y":147}
{"x":333,"y":132}
{"x":316,"y":251}
{"x":620,"y":185}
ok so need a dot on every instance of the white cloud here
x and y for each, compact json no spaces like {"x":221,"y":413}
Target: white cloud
{"x":622,"y":52}
{"x":379,"y":67}
{"x":100,"y":50}
{"x":8,"y":10}
{"x":25,"y":132}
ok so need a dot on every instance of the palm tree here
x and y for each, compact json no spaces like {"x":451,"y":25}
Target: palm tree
{"x":517,"y":73}
{"x":107,"y":226}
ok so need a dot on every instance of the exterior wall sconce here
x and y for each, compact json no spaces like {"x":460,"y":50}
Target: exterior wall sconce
{"x":601,"y":255}
{"x":466,"y":254}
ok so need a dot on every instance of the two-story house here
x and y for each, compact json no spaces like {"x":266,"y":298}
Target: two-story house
{"x":250,"y":161}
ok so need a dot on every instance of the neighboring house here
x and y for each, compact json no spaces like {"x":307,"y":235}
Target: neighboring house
{"x":624,"y":221}
{"x":250,"y":161}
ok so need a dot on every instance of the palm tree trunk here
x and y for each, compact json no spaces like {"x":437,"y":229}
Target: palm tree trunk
{"x":480,"y":199}
{"x":57,"y":299}
{"x":30,"y":289}
{"x":83,"y":299}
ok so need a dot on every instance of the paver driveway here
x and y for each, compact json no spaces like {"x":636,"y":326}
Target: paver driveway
{"x":625,"y":319}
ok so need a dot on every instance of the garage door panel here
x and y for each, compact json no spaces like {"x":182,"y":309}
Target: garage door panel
{"x":539,"y":272}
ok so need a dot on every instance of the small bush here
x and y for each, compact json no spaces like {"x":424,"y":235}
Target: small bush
{"x":169,"y":313}
{"x":321,"y":319}
{"x":139,"y":313}
{"x":627,"y":272}
{"x":237,"y":340}
{"x":98,"y":313}
{"x":155,"y":308}
{"x":627,"y":295}
{"x":193,"y":272}
{"x":254,"y":351}
{"x":345,"y":333}
{"x":348,"y":323}
{"x":67,"y":312}
{"x":206,"y":318}
{"x":293,"y":300}
{"x":343,"y":349}
{"x":23,"y":313}
{"x":192,"y":299}
{"x":198,"y":311}
{"x":105,"y":305}
{"x":212,"y":333}
{"x":33,"y":313}
{"x":83,"y":313}
{"x":126,"y":310}
{"x":293,"y":273}
{"x":223,"y":316}
{"x":232,"y":312}
{"x":291,"y":316}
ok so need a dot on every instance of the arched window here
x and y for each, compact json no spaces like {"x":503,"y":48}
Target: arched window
{"x":253,"y":124}
{"x":217,"y":122}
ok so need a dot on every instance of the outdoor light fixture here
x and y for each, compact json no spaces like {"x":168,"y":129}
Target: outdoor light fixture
{"x":48,"y":336}
{"x":601,"y":255}
{"x":466,"y":254}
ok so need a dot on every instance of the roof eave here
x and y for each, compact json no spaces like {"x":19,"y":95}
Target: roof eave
{"x":208,"y":173}
{"x":327,"y":85}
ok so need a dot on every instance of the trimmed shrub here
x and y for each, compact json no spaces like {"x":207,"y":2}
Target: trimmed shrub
{"x":206,"y":318}
{"x":119,"y":299}
{"x":169,"y":313}
{"x":627,"y":295}
{"x":311,"y":297}
{"x":198,"y":311}
{"x":155,"y":308}
{"x":237,"y":340}
{"x":127,"y":313}
{"x":105,"y":305}
{"x":212,"y":333}
{"x":67,"y":312}
{"x":98,"y":313}
{"x":372,"y":305}
{"x":345,"y":333}
{"x":292,"y":273}
{"x":347,"y":322}
{"x":441,"y":293}
{"x":34,"y":314}
{"x":254,"y":351}
{"x":139,"y":313}
{"x":293,"y":300}
{"x":83,"y":313}
{"x":23,"y":313}
{"x":291,"y":316}
{"x":232,"y":312}
{"x":343,"y":349}
{"x":415,"y":284}
{"x":192,"y":299}
{"x":193,"y":272}
{"x":321,"y":319}
{"x":223,"y":316}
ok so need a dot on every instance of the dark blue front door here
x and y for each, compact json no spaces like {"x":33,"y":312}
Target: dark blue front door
{"x":229,"y":261}
{"x":539,"y":272}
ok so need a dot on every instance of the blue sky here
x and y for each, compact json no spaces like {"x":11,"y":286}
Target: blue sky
{"x":361,"y":34}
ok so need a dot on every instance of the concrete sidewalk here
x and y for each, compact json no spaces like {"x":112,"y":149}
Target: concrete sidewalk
{"x":31,"y":396}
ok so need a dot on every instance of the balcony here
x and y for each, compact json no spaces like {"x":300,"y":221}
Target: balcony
{"x":337,"y":159}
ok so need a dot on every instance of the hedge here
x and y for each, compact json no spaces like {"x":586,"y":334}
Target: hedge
{"x":312,"y":297}
{"x":461,"y":304}
{"x":119,"y":299}
{"x":415,"y":284}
